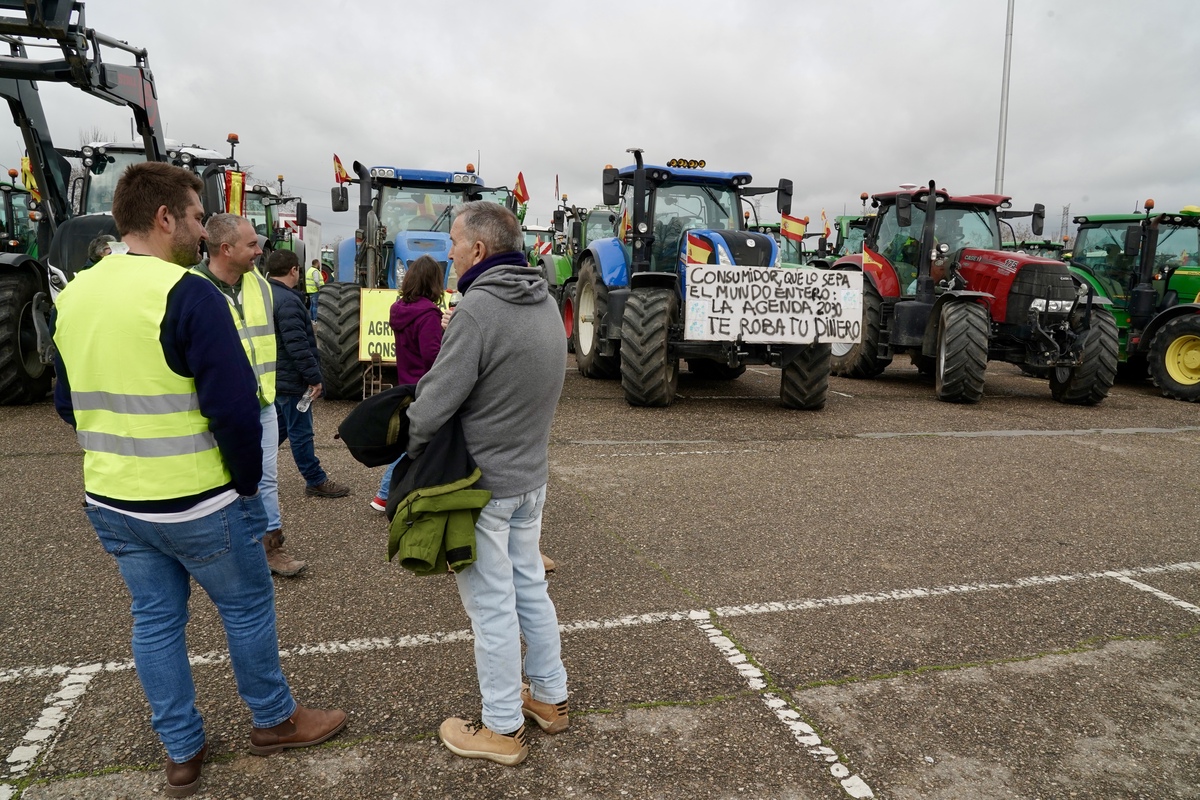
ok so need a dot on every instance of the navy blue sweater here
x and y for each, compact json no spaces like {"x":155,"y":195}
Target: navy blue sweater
{"x":199,"y":341}
{"x":296,"y":365}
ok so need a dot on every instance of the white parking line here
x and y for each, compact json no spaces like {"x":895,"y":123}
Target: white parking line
{"x":60,"y":705}
{"x":1007,"y":433}
{"x":675,"y":453}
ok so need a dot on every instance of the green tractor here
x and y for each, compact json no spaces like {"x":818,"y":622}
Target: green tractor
{"x":574,"y":229}
{"x":18,"y":231}
{"x":1149,"y":266}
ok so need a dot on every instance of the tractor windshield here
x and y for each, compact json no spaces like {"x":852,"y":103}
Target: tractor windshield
{"x":417,"y":209}
{"x":256,"y":212}
{"x":101,"y":180}
{"x":956,"y":227}
{"x":680,"y":207}
{"x":1101,"y":249}
{"x":23,"y":228}
{"x":599,"y":225}
{"x":850,"y":239}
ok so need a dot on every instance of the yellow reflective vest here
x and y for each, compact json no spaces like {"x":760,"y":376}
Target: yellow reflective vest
{"x":312,"y":281}
{"x":139,"y":423}
{"x":255,"y":324}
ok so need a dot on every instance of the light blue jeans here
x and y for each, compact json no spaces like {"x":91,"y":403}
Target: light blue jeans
{"x":223,"y":552}
{"x":504,"y":594}
{"x":268,"y":487}
{"x":385,"y":483}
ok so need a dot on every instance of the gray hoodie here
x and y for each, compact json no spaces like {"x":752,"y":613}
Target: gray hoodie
{"x":502,"y":364}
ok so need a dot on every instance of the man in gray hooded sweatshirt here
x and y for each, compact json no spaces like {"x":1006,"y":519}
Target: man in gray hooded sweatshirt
{"x":501,"y":368}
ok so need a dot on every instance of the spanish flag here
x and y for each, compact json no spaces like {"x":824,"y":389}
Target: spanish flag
{"x":235,"y":192}
{"x":28,"y":179}
{"x":827,"y":231}
{"x":521,"y":192}
{"x":339,"y":172}
{"x":793,"y":227}
{"x":871,"y":258}
{"x":699,"y":251}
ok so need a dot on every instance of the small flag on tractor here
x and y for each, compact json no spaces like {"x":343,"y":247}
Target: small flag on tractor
{"x":871,"y":258}
{"x":235,"y":194}
{"x":699,"y":251}
{"x":28,"y":179}
{"x":339,"y":172}
{"x":521,"y":191}
{"x":556,"y":195}
{"x":827,"y":231}
{"x":793,"y":227}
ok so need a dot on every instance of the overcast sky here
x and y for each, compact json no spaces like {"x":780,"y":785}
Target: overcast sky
{"x":842,"y":97}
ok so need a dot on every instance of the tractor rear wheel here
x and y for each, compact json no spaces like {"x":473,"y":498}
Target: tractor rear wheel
{"x":1175,"y":358}
{"x":23,"y":376}
{"x":861,"y":360}
{"x":710,"y":370}
{"x":649,"y":370}
{"x":566,"y":310}
{"x":962,"y":350}
{"x":337,"y":340}
{"x":591,"y":307}
{"x":804,"y":381}
{"x":1089,"y":383}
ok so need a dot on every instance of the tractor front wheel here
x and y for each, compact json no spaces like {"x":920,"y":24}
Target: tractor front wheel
{"x":861,"y":359}
{"x":591,"y":307}
{"x":566,"y":309}
{"x":1089,"y":383}
{"x":649,"y":371}
{"x":23,"y":376}
{"x":962,"y":349}
{"x":804,"y":381}
{"x":337,"y":340}
{"x":1175,"y":358}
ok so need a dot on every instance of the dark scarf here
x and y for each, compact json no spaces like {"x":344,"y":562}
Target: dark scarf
{"x":511,"y":257}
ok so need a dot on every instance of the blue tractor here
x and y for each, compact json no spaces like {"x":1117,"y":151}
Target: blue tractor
{"x":630,"y":317}
{"x":402,"y":214}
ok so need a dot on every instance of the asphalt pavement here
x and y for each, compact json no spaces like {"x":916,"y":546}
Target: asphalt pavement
{"x":892,"y":597}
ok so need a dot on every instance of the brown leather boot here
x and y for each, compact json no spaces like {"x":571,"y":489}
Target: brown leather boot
{"x":183,"y":779}
{"x":280,"y":562}
{"x":307,"y":726}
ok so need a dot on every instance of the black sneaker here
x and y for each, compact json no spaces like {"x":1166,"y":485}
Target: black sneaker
{"x":329,"y":488}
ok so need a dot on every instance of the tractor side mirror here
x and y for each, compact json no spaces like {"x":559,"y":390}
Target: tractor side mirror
{"x":612,"y":186}
{"x":783,"y":197}
{"x":339,"y":199}
{"x":1039,"y":219}
{"x":1133,"y":240}
{"x":577,"y":233}
{"x":559,"y":219}
{"x":301,"y":214}
{"x":214,"y":191}
{"x":904,"y":210}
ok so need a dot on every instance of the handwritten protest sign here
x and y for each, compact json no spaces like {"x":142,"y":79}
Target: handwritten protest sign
{"x":772,"y":305}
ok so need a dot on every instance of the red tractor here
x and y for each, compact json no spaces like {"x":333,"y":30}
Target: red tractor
{"x":938,"y":287}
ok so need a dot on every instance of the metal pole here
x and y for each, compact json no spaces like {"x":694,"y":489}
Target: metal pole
{"x":1004,"y":101}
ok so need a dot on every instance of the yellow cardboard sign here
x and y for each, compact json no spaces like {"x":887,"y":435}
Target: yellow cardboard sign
{"x":374,"y":331}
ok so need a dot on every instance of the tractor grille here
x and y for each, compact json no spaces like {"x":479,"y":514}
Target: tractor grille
{"x":1047,"y":281}
{"x":748,"y":249}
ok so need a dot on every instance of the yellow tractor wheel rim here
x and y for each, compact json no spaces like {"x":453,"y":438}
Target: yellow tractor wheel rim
{"x":1183,"y":360}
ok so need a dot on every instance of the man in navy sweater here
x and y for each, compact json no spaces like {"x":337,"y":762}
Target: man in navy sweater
{"x":154,"y":380}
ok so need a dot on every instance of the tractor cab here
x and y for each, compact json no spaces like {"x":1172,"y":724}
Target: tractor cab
{"x":105,"y":162}
{"x":18,"y":231}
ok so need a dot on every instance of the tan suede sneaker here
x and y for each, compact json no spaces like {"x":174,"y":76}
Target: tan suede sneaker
{"x":476,"y":740}
{"x":550,"y":717}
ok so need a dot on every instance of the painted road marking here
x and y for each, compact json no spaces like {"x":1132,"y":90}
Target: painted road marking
{"x":1159,"y":593}
{"x":1005,"y":433}
{"x":675,"y":453}
{"x":61,"y":704}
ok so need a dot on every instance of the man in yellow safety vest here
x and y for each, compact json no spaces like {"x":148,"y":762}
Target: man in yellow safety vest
{"x":151,"y":376}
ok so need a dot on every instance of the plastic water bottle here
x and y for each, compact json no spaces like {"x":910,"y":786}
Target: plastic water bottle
{"x":305,"y":401}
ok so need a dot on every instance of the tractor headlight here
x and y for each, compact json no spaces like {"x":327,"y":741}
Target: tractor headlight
{"x":1052,"y":306}
{"x":87,"y":151}
{"x":186,"y":158}
{"x":643,"y":227}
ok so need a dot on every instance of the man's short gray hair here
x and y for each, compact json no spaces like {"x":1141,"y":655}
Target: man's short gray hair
{"x":223,"y":229}
{"x":492,"y":224}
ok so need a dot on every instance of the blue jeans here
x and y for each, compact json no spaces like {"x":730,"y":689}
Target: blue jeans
{"x":504,"y":594}
{"x":223,"y":552}
{"x":385,"y":483}
{"x":297,"y":427}
{"x":268,"y":487}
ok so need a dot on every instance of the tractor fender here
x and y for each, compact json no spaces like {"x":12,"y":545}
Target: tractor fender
{"x":853,"y":263}
{"x":1162,"y":318}
{"x":882,"y":275}
{"x":11,"y":262}
{"x":610,"y":257}
{"x":556,"y":269}
{"x":929,"y":342}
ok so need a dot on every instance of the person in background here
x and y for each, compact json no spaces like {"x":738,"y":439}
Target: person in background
{"x":98,"y":248}
{"x":313,"y":281}
{"x":501,"y":372}
{"x":152,"y":376}
{"x":298,"y":374}
{"x":416,"y":320}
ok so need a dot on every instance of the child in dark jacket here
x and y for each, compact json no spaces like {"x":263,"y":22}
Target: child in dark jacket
{"x":416,"y":320}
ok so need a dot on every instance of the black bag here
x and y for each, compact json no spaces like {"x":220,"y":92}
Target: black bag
{"x":376,"y":431}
